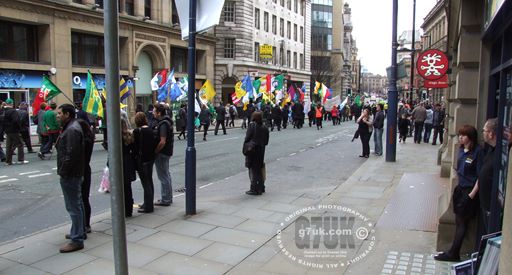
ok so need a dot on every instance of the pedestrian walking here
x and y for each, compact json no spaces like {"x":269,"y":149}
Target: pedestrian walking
{"x":181,"y":121}
{"x":25,"y":126}
{"x":52,"y":128}
{"x":364,"y":132}
{"x":334,"y":115}
{"x":70,"y":168}
{"x":428,"y":124}
{"x":204,"y":120}
{"x":221,"y":118}
{"x":89,"y":137}
{"x":41,"y":130}
{"x":378,"y":126}
{"x":277,"y":115}
{"x":311,"y":115}
{"x":145,"y":144}
{"x":256,"y":138}
{"x":319,"y":112}
{"x":419,"y":114}
{"x":469,"y":161}
{"x":403,"y":128}
{"x":232,"y":114}
{"x":284,"y":115}
{"x":11,"y":123}
{"x":163,"y":151}
{"x":438,"y":124}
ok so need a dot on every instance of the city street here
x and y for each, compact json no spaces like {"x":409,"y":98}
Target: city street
{"x":32,"y":198}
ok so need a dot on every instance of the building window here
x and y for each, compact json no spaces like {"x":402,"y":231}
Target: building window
{"x":295,"y":60}
{"x":281,"y":27}
{"x":289,"y":4}
{"x":265,"y":21}
{"x":281,"y":56}
{"x":147,"y":8}
{"x":257,"y":52}
{"x":229,"y":48}
{"x":289,"y":30}
{"x":257,"y":18}
{"x":301,"y":34}
{"x":301,"y":61}
{"x":274,"y":55}
{"x":282,"y":3}
{"x":179,"y":59}
{"x":87,"y":50}
{"x":229,"y":11}
{"x":99,"y":3}
{"x":296,"y":6}
{"x":175,"y":17}
{"x":302,"y":8}
{"x":128,"y":7}
{"x":288,"y":60}
{"x":295,"y":32}
{"x":18,"y":41}
{"x":274,"y":24}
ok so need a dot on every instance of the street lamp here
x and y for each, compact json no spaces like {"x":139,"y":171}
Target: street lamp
{"x":392,"y":94}
{"x":413,"y":48}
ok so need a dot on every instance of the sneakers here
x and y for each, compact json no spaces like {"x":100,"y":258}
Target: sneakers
{"x":162,"y":203}
{"x":71,"y":247}
{"x":23,"y":162}
{"x":40,"y":155}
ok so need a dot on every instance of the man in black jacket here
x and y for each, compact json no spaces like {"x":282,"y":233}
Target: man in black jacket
{"x":12,"y":126}
{"x":70,"y":168}
{"x":378,"y":126}
{"x":276,"y":117}
{"x":25,"y":126}
{"x":438,"y":124}
{"x":221,"y":118}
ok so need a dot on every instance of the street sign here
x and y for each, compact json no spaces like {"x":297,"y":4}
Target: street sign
{"x":266,"y":51}
{"x":207,"y":15}
{"x":432,"y":64}
{"x":438,"y":83}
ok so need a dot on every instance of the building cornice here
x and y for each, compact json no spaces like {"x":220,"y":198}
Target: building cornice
{"x":435,"y":10}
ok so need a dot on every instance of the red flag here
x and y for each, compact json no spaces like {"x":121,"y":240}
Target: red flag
{"x":163,"y":77}
{"x":234,"y":99}
{"x":269,"y":83}
{"x":37,"y":102}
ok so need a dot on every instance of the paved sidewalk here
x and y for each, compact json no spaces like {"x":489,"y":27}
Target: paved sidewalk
{"x":238,"y":235}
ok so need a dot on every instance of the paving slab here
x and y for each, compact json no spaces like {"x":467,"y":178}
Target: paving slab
{"x":252,"y":213}
{"x":138,"y":255}
{"x":20,"y":269}
{"x":62,"y":263}
{"x":177,"y":264}
{"x":260,"y":227}
{"x":30,"y":253}
{"x":176,"y":243}
{"x":187,"y":228}
{"x":105,"y":267}
{"x":225,"y":253}
{"x":236,"y":237}
{"x":5,"y":263}
{"x":217,"y":219}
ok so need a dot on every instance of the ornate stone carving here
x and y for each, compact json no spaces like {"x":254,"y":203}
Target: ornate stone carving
{"x":153,"y":38}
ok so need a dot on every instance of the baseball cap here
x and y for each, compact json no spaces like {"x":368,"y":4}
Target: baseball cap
{"x":9,"y":101}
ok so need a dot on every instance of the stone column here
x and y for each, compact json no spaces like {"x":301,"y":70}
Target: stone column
{"x":138,"y":6}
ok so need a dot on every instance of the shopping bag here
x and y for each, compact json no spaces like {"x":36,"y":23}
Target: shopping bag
{"x":105,"y":182}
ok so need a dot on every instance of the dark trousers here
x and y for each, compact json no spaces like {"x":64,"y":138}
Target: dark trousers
{"x":334,"y":120}
{"x":276,"y":123}
{"x":461,"y":226}
{"x":145,"y":170}
{"x":220,"y":122}
{"x":418,"y":129}
{"x":256,"y":177}
{"x":13,"y":140}
{"x":438,"y":130}
{"x":232,"y":122}
{"x":285,"y":122}
{"x":52,"y":138}
{"x":428,"y":131}
{"x":365,"y":142}
{"x":205,"y":129}
{"x":25,"y":135}
{"x":318,"y":123}
{"x":128,"y":197}
{"x":86,"y":190}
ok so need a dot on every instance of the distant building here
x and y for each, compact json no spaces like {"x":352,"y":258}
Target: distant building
{"x":374,"y":84}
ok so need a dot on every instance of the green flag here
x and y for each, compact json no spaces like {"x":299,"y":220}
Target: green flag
{"x":357,"y":101}
{"x":92,"y":101}
{"x":278,"y":83}
{"x":49,"y":89}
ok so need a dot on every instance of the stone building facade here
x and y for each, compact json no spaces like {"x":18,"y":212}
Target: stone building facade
{"x":245,"y":25}
{"x":68,"y":35}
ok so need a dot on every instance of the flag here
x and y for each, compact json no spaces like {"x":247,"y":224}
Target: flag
{"x":124,"y":91}
{"x":234,"y":98}
{"x":207,"y":92}
{"x":175,"y":92}
{"x":36,"y":105}
{"x":47,"y":91}
{"x":291,"y":92}
{"x":183,"y":84}
{"x":159,"y":80}
{"x":239,"y":92}
{"x":327,"y":94}
{"x":318,"y":86}
{"x":357,"y":101}
{"x":302,"y":93}
{"x":163,"y":92}
{"x":247,"y":85}
{"x":92,"y":101}
{"x":277,"y":83}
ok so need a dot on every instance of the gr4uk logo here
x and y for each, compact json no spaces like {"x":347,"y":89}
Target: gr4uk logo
{"x":325,"y":237}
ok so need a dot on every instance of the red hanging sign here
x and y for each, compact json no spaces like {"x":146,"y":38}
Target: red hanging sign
{"x":432,"y":64}
{"x":438,"y":83}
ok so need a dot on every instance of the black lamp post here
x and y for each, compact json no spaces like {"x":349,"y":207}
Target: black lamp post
{"x":392,"y":94}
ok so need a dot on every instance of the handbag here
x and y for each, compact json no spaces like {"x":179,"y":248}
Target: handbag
{"x":249,"y":148}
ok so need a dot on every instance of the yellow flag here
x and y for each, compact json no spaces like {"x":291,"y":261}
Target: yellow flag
{"x":207,"y":92}
{"x":239,"y":92}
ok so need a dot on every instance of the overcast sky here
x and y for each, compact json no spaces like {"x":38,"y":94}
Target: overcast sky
{"x":372,"y":24}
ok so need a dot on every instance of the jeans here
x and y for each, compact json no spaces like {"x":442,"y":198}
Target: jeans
{"x":86,"y":190}
{"x":25,"y":135}
{"x":72,"y":191}
{"x":162,"y":171}
{"x":146,"y":179}
{"x":377,"y":139}
{"x":52,"y":138}
{"x":14,"y":140}
{"x":418,"y":129}
{"x":438,"y":130}
{"x":428,"y":131}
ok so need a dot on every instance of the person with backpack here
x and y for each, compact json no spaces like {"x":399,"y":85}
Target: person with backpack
{"x":12,"y":127}
{"x":163,"y":151}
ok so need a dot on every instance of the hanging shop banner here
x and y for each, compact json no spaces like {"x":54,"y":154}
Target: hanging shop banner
{"x":438,"y":83}
{"x":20,"y":79}
{"x":432,"y":64}
{"x":266,"y":51}
{"x":80,"y":80}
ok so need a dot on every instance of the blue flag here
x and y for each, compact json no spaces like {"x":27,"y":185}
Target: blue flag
{"x":163,"y":92}
{"x":247,"y":85}
{"x":175,"y":92}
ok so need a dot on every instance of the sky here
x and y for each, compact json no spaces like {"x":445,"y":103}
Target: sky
{"x":372,"y":22}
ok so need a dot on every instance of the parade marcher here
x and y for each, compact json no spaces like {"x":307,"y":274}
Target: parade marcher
{"x":403,"y":128}
{"x":267,"y":116}
{"x":319,"y":112}
{"x":311,"y":115}
{"x":277,"y":115}
{"x":469,"y":161}
{"x":89,"y":137}
{"x":52,"y":128}
{"x":25,"y":126}
{"x":438,"y":124}
{"x":204,"y":119}
{"x":81,"y":114}
{"x":163,"y":152}
{"x":428,"y":124}
{"x":232,"y":114}
{"x":284,"y":115}
{"x":70,"y":168}
{"x":257,"y":137}
{"x":334,"y":115}
{"x":221,"y":119}
{"x":300,"y":114}
{"x":250,"y":109}
{"x":181,"y":122}
{"x":364,"y":132}
{"x":103,"y":125}
{"x":128,"y":150}
{"x":145,"y":154}
{"x":243,"y":115}
{"x":378,"y":125}
{"x":419,"y":114}
{"x":41,"y":130}
{"x":12,"y":127}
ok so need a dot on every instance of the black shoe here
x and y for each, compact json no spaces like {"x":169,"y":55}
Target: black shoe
{"x":142,"y":210}
{"x":161,"y":203}
{"x":445,"y":257}
{"x":253,"y":193}
{"x":88,"y":229}
{"x":434,"y":143}
{"x":204,"y":139}
{"x":40,"y":155}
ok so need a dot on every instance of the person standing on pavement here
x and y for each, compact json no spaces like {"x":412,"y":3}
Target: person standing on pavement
{"x":89,"y":137}
{"x":428,"y":124}
{"x":52,"y":128}
{"x":163,"y":152}
{"x":419,"y":114}
{"x":364,"y":132}
{"x":257,"y":134}
{"x":469,"y":161}
{"x":204,"y":120}
{"x":378,"y":126}
{"x":70,"y":168}
{"x":145,"y":155}
{"x":438,"y":124}
{"x":12,"y":127}
{"x":128,"y":166}
{"x":221,"y":118}
{"x":25,"y":126}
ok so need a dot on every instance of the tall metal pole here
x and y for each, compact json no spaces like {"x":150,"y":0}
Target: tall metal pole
{"x":111,"y":23}
{"x":413,"y":49}
{"x":392,"y":94}
{"x":190,"y":157}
